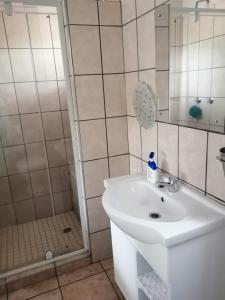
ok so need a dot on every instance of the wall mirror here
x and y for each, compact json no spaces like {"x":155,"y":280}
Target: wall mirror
{"x":190,"y":63}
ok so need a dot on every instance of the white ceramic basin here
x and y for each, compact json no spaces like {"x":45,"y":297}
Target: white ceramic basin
{"x":130,"y":202}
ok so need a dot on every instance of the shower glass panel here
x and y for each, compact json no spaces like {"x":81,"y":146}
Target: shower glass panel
{"x":39,"y":209}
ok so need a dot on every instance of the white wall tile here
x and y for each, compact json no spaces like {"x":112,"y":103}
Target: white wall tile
{"x":162,"y":84}
{"x":218,"y":79}
{"x":146,"y":41}
{"x":131,"y":80}
{"x":3,"y":170}
{"x":48,"y":95}
{"x":44,"y":64}
{"x":86,"y":86}
{"x":192,"y":156}
{"x":11,"y":131}
{"x":110,"y":13}
{"x":5,"y":68}
{"x":144,"y":6}
{"x":27,"y":97}
{"x":134,"y":136}
{"x":135,"y":165}
{"x":206,"y":27}
{"x":82,"y":12}
{"x":162,"y":48}
{"x":130,"y":46}
{"x":21,"y":60}
{"x":93,"y":139}
{"x":219,"y":51}
{"x":3,"y":43}
{"x":21,"y":186}
{"x":6,"y":196}
{"x":168,"y":148}
{"x":8,"y":103}
{"x":112,"y":49}
{"x":98,"y":219}
{"x":149,"y":142}
{"x":16,"y":159}
{"x":215,"y":174}
{"x":17,"y":30}
{"x":205,"y":54}
{"x":36,"y":156}
{"x":52,"y":124}
{"x":40,"y":33}
{"x":162,"y":15}
{"x":32,"y":128}
{"x":115,"y":95}
{"x":219,"y":27}
{"x":94,"y":173}
{"x":117,"y":135}
{"x":7,"y":216}
{"x":128,"y":10}
{"x":85,"y":49}
{"x":56,"y":151}
{"x":119,"y":165}
{"x":97,"y":240}
{"x":59,"y":64}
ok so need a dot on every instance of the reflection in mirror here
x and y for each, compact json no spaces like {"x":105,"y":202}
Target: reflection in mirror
{"x":197,"y":64}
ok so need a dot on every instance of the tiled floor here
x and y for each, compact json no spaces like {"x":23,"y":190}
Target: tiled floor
{"x":28,"y":243}
{"x":83,"y":282}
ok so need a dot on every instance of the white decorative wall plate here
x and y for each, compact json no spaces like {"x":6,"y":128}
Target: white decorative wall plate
{"x":145,"y":104}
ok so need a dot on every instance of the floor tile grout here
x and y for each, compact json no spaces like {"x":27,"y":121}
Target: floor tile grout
{"x":112,"y":284}
{"x":61,"y":286}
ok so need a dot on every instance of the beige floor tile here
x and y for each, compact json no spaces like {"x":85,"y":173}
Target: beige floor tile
{"x":34,"y":290}
{"x":79,"y":274}
{"x":96,"y":287}
{"x":110,"y":274}
{"x":72,"y":264}
{"x":52,"y":295}
{"x":107,"y":263}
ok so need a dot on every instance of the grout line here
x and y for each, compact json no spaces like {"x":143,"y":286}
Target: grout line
{"x":57,"y":278}
{"x":112,"y":282}
{"x":70,"y":283}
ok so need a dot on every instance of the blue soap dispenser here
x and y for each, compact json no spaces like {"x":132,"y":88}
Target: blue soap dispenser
{"x":152,"y":170}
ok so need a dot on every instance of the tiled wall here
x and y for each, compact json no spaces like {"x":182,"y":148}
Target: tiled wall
{"x":198,"y":68}
{"x":98,"y":72}
{"x":34,"y":125}
{"x":189,"y":154}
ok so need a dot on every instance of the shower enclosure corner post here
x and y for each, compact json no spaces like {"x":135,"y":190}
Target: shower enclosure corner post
{"x":73,"y":117}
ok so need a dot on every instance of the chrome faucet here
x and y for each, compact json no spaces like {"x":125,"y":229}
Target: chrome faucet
{"x":172,"y":184}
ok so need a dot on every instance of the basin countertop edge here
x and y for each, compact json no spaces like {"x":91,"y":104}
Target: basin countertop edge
{"x":180,"y":232}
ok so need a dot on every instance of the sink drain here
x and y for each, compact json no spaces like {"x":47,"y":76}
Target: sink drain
{"x":154,"y":215}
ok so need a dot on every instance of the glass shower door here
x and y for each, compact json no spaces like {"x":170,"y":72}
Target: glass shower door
{"x":39,"y":211}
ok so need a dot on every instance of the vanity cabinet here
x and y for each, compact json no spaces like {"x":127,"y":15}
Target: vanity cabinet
{"x":193,"y":270}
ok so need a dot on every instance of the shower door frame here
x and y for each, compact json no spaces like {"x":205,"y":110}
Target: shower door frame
{"x":74,"y":126}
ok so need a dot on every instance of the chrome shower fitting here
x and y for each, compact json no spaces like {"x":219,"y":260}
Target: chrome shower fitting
{"x":221,"y":158}
{"x":196,"y":15}
{"x":8,"y":7}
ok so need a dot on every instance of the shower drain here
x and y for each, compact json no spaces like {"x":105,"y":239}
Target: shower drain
{"x":67,"y":230}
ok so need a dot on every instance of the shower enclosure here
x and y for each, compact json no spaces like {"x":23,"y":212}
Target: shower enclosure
{"x":41,"y":215}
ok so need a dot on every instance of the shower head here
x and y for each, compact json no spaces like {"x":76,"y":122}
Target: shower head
{"x":196,"y":12}
{"x":8,"y":7}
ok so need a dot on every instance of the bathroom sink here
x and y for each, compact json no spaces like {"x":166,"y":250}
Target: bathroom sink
{"x":153,"y":215}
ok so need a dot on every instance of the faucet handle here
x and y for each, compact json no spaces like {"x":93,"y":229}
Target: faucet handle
{"x":173,"y":184}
